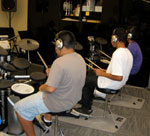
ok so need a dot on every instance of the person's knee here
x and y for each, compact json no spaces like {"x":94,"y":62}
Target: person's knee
{"x":16,"y":107}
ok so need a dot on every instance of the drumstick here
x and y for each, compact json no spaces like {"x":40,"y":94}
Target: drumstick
{"x":89,"y":66}
{"x":42,"y":60}
{"x":105,"y":54}
{"x":93,"y":63}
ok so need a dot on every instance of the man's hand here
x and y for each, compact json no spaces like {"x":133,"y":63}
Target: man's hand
{"x":47,"y":88}
{"x":47,"y":71}
{"x":99,"y":72}
{"x":41,"y":87}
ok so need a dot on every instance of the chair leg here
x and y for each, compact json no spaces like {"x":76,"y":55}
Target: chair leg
{"x":61,"y":132}
{"x":107,"y":108}
{"x":56,"y":126}
{"x":116,"y":126}
{"x":57,"y":131}
{"x":45,"y":132}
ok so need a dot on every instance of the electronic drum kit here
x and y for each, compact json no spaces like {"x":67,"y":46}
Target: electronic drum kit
{"x":8,"y":85}
{"x":96,"y":54}
{"x":78,"y":46}
{"x":12,"y":84}
{"x":101,"y":40}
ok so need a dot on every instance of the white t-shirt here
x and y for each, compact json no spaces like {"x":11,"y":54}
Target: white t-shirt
{"x":120,"y":65}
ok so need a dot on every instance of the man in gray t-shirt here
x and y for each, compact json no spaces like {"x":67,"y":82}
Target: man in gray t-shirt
{"x":63,"y":88}
{"x":67,"y":75}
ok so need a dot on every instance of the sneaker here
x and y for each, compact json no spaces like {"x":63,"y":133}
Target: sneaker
{"x":99,"y":94}
{"x":100,"y":98}
{"x":48,"y":124}
{"x":81,"y":112}
{"x":41,"y":123}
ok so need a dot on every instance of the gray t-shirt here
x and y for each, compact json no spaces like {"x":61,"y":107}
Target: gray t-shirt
{"x":67,"y":75}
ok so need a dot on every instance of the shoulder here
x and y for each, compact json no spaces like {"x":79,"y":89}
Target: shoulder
{"x":133,"y":45}
{"x":121,"y":52}
{"x":57,"y":62}
{"x":79,"y":56}
{"x":118,"y":51}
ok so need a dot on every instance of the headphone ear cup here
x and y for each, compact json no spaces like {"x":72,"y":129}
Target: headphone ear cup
{"x":114,"y":38}
{"x":129,"y":36}
{"x":59,"y":43}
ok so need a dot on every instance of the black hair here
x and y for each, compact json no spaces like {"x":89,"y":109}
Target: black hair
{"x":68,"y":38}
{"x":121,"y":34}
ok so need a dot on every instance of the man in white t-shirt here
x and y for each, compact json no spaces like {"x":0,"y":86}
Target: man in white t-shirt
{"x":114,"y":77}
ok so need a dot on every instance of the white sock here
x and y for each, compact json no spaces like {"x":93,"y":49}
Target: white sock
{"x":99,"y":94}
{"x":48,"y":121}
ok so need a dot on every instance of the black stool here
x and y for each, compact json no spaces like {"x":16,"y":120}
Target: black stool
{"x":108,"y":100}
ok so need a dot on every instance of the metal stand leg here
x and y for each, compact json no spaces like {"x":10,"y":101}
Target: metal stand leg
{"x":2,"y":95}
{"x":29,"y":57}
{"x":14,"y":127}
{"x":149,"y":83}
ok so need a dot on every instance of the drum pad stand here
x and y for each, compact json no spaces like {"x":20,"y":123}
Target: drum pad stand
{"x":14,"y":126}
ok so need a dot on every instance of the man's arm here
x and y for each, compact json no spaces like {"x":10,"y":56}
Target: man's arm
{"x":108,"y":75}
{"x":47,"y":88}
